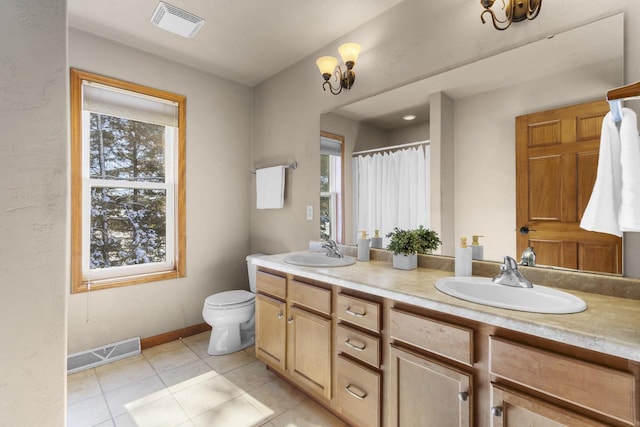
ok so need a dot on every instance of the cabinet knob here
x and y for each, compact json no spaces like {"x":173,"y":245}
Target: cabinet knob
{"x":290,"y":320}
{"x":280,"y":315}
{"x":496,"y":411}
{"x":463,"y":396}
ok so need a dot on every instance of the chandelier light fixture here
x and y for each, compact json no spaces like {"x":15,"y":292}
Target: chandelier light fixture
{"x":328,"y":66}
{"x":513,"y":11}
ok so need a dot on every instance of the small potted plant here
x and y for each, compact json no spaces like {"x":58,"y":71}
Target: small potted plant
{"x":429,"y":238}
{"x":407,"y":244}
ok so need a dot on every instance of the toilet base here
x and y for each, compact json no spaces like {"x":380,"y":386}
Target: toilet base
{"x":231,"y":338}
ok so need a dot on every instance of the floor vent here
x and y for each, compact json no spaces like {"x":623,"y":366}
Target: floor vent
{"x":102,"y":355}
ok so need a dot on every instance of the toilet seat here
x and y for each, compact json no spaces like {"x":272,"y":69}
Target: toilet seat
{"x":229,"y":299}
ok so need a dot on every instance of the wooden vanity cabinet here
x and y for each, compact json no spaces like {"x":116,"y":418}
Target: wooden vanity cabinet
{"x":513,"y":409}
{"x":425,"y":391}
{"x":309,"y":336}
{"x":294,"y":331}
{"x":582,"y":385}
{"x":271,"y":326}
{"x":358,"y":360}
{"x":377,"y":362}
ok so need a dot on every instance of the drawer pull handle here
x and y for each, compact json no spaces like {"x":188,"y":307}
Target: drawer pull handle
{"x":290,"y":320}
{"x":280,"y":315}
{"x":463,"y":396}
{"x":355,"y":313}
{"x":496,"y":411}
{"x":356,"y":392}
{"x":355,"y":346}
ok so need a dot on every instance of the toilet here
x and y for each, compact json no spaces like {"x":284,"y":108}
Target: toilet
{"x":231,"y":315}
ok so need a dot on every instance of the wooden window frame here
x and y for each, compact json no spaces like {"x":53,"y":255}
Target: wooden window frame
{"x":78,"y":282}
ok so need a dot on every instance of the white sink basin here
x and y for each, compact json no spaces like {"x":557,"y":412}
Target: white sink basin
{"x":318,"y":260}
{"x":538,"y":299}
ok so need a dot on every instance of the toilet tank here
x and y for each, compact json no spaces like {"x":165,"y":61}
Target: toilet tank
{"x":251,"y":269}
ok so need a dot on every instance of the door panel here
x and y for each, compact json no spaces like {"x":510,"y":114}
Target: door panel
{"x":427,"y":393}
{"x":270,"y":331}
{"x":556,"y":165}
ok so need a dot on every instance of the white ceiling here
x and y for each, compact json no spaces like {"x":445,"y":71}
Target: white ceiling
{"x":246,"y":41}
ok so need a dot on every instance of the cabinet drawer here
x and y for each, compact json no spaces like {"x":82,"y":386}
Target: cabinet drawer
{"x":271,"y":284}
{"x":359,"y":312}
{"x":358,"y":344}
{"x":598,"y":388}
{"x":310,"y":296}
{"x":518,"y":409}
{"x":454,"y":342}
{"x":358,"y":391}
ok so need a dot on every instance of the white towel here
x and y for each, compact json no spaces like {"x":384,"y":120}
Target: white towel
{"x":629,"y":215}
{"x":602,"y":210}
{"x":270,"y":188}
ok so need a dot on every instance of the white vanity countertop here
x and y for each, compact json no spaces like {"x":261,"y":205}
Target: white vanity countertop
{"x":610,"y":325}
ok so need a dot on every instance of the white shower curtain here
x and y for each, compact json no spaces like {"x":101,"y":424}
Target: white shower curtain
{"x":393,"y":190}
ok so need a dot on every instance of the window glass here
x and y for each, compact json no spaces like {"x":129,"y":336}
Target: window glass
{"x":331,"y":187}
{"x":126,"y":149}
{"x":128,"y":227}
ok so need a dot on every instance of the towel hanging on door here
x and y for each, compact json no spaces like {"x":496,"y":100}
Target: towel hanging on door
{"x":602,"y":210}
{"x":629,"y":214}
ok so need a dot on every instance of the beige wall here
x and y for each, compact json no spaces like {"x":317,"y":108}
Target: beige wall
{"x":33,"y":205}
{"x":413,"y":40}
{"x":407,"y":134}
{"x":218,"y":181}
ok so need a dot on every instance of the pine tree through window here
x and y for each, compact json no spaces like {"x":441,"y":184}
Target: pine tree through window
{"x":128,"y":195}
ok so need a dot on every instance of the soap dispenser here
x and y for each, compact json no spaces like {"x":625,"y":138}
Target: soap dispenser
{"x":477,"y":250}
{"x":463,"y":262}
{"x":376,"y":240}
{"x":363,"y":247}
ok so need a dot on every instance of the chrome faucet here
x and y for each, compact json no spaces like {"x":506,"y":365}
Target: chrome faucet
{"x":528,"y":257}
{"x":510,"y":275}
{"x":332,"y":249}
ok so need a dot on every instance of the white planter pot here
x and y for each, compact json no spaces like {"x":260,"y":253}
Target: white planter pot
{"x":405,"y":262}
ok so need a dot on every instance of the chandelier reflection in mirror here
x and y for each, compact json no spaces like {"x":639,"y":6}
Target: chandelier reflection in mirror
{"x":328,"y":66}
{"x":513,"y":11}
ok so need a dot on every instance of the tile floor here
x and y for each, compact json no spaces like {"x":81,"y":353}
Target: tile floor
{"x":179,"y":384}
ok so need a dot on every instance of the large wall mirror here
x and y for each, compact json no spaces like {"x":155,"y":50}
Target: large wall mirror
{"x":571,"y":67}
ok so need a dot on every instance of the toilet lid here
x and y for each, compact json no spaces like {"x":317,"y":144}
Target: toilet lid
{"x":229,"y":298}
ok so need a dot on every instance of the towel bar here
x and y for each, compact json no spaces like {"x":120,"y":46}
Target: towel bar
{"x":293,"y":165}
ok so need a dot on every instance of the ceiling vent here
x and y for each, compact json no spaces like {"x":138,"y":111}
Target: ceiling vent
{"x":176,"y":20}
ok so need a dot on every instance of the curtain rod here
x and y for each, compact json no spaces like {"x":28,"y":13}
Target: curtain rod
{"x":392,"y":147}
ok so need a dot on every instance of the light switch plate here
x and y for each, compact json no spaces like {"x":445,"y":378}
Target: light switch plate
{"x":309,"y":212}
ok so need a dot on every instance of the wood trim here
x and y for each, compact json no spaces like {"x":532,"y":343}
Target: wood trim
{"x":341,"y":231}
{"x":78,"y":284}
{"x":628,"y":91}
{"x":167,"y":337}
{"x":76,"y":180}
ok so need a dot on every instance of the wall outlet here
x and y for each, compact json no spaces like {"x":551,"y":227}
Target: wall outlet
{"x":309,"y":212}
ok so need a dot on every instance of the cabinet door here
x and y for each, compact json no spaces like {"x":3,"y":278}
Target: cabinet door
{"x":270,"y":331}
{"x":309,"y":358}
{"x":512,"y":409}
{"x":426,"y":393}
